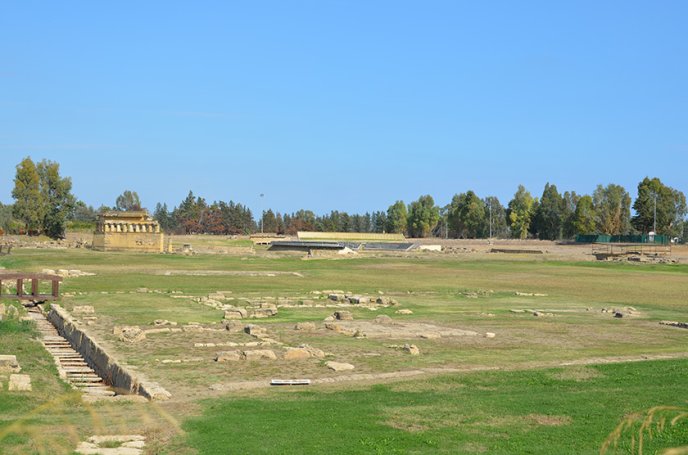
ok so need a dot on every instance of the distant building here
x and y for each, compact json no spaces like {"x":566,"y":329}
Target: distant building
{"x":128,"y":231}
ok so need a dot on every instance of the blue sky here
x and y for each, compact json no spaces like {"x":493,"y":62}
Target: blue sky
{"x":345,"y":105}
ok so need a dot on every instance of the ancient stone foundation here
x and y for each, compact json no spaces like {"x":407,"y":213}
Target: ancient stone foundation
{"x":102,"y":363}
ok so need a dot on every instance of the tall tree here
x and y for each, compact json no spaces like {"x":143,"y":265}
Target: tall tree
{"x":495,"y":212}
{"x":520,"y":213}
{"x":127,"y":201}
{"x":568,"y":216}
{"x":584,"y":218}
{"x":612,"y":205}
{"x":397,"y":218}
{"x":671,"y":208}
{"x":57,"y":196}
{"x":29,"y":201}
{"x":423,"y":215}
{"x":269,"y":221}
{"x":164,"y":217}
{"x":466,"y":215}
{"x":548,"y":219}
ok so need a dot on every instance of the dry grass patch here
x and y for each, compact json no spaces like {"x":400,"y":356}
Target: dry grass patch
{"x":578,"y":374}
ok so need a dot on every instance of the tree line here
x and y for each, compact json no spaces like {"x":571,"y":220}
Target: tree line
{"x":44,"y":204}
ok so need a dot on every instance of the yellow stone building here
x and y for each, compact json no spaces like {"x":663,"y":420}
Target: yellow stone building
{"x":128,"y":231}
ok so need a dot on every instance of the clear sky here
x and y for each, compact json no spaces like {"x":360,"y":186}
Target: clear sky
{"x":344,"y":105}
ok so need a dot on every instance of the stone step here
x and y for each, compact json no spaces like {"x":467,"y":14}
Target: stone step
{"x":85,"y":380}
{"x":78,"y":369}
{"x":83,"y":375}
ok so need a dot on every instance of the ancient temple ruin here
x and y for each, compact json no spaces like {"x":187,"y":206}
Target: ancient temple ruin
{"x":128,"y":231}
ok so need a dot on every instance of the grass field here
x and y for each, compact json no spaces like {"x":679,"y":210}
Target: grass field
{"x":507,"y":394}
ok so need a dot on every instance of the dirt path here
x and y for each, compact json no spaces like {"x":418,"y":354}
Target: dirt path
{"x":395,"y":375}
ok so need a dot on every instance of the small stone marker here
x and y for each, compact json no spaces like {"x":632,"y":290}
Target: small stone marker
{"x":20,"y":383}
{"x":9,"y":364}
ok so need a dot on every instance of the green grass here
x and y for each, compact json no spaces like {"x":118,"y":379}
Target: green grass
{"x":452,"y":414}
{"x":560,"y":411}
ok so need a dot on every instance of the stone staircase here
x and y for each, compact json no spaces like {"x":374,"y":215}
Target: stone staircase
{"x":70,"y":363}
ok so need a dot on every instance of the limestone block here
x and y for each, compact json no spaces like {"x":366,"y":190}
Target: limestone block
{"x":358,"y":299}
{"x":297,"y":354}
{"x":20,"y":383}
{"x":131,"y":334}
{"x":404,"y":311}
{"x":314,"y":352}
{"x":339,"y":366}
{"x":305,"y":326}
{"x":236,"y":313}
{"x":9,"y":364}
{"x":489,"y":335}
{"x":260,"y":313}
{"x":343,"y":315}
{"x":260,"y":354}
{"x":228,"y":356}
{"x":254,"y":330}
{"x":411,"y":349}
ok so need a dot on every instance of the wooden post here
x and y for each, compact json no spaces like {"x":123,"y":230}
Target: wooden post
{"x":20,"y":287}
{"x":34,"y":287}
{"x":56,"y":288}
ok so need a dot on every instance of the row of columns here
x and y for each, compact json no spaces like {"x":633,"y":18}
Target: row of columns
{"x":130,"y":227}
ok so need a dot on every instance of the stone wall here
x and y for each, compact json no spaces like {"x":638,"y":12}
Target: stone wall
{"x":123,"y":380}
{"x":152,"y":242}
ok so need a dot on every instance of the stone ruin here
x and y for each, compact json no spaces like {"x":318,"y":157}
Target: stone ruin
{"x":128,"y":231}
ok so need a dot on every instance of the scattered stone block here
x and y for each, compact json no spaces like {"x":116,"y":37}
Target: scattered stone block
{"x":411,"y":349}
{"x":339,"y":366}
{"x":142,"y":290}
{"x":358,"y":299}
{"x":297,"y":354}
{"x":404,"y":311}
{"x":260,"y":313}
{"x":343,"y":315}
{"x":9,"y":364}
{"x":314,"y":352}
{"x":163,"y":322}
{"x":489,"y":335}
{"x":236,"y":313}
{"x":19,"y":383}
{"x":157,"y":330}
{"x":255,"y":330}
{"x":336,"y":297}
{"x":233,"y":326}
{"x":259,"y":354}
{"x":305,"y":326}
{"x":131,"y":334}
{"x":228,"y":356}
